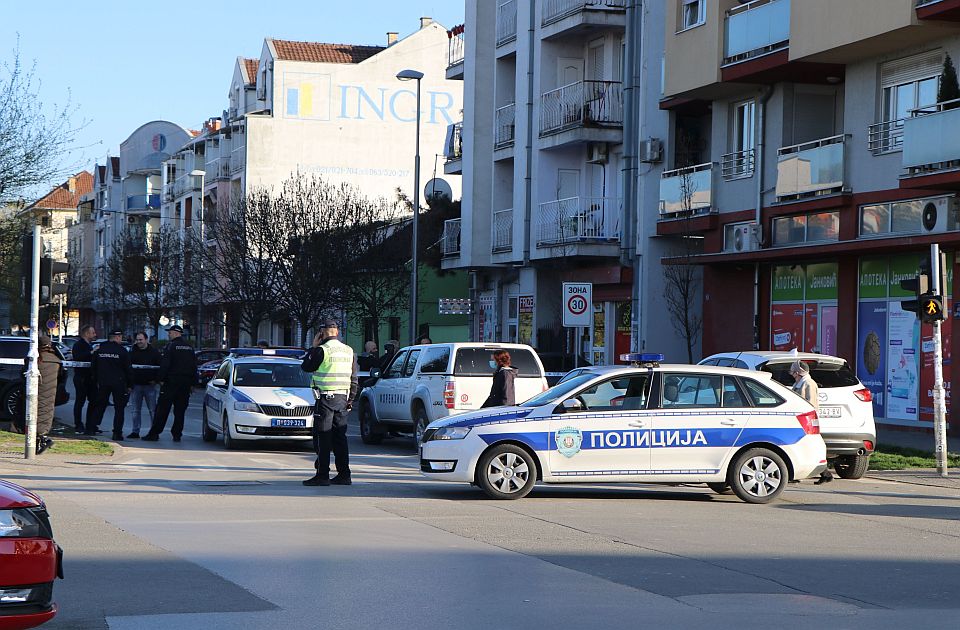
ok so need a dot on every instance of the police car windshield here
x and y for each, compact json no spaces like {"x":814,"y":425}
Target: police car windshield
{"x":270,"y":375}
{"x":560,"y":390}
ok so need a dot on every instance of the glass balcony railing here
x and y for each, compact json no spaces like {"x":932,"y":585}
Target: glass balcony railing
{"x":811,"y":168}
{"x":756,"y":28}
{"x":930,"y":138}
{"x":686,"y":191}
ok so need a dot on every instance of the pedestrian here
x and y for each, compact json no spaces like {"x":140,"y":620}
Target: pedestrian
{"x":50,"y":366}
{"x":83,"y":383}
{"x":144,"y":380}
{"x":334,"y":384}
{"x":806,"y":388}
{"x":423,"y":340}
{"x":263,"y":344}
{"x":502,"y":391}
{"x":178,"y":371}
{"x":389,"y":351}
{"x":111,"y":369}
{"x":370,"y":358}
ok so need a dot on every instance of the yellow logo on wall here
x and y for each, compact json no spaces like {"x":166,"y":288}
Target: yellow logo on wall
{"x":307,"y":95}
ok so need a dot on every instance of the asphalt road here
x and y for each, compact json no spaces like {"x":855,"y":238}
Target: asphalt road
{"x":190,"y":535}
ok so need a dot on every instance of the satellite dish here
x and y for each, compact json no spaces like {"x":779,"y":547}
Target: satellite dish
{"x":437,"y":186}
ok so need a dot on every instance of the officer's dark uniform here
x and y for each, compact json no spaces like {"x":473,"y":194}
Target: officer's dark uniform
{"x":111,"y":370}
{"x":83,"y":384}
{"x":178,"y":371}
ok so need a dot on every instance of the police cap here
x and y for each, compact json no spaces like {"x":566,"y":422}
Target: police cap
{"x":175,"y":328}
{"x":116,"y":332}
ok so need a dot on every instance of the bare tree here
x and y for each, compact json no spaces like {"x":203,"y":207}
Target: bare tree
{"x":682,"y":276}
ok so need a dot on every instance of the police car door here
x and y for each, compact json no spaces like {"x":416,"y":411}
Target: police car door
{"x":216,"y":396}
{"x":701,"y":417}
{"x":606,"y":439}
{"x":388,"y":388}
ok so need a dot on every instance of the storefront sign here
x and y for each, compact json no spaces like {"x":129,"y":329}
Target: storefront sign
{"x":821,"y":282}
{"x":873,"y":278}
{"x":788,"y":283}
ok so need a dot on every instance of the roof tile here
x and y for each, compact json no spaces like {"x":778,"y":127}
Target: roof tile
{"x":63,"y":197}
{"x":323,"y":53}
{"x":251,"y":66}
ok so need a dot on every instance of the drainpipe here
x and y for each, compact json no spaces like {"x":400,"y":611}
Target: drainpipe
{"x":528,"y":150}
{"x":758,"y":166}
{"x":630,"y":251}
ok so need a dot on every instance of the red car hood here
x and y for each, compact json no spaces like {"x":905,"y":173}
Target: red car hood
{"x":13,"y":496}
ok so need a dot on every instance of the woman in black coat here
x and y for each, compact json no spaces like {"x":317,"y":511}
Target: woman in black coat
{"x":502,"y":392}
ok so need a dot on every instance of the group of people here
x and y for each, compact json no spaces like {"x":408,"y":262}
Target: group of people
{"x":370,"y":357}
{"x":121,"y":376}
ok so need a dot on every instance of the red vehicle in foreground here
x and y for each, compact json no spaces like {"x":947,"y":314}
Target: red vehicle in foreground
{"x":30,"y":560}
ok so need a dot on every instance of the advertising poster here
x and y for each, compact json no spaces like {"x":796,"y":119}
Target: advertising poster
{"x":871,"y":352}
{"x":903,"y":364}
{"x":811,"y":318}
{"x":786,"y":326}
{"x":487,"y":321}
{"x":525,"y":319}
{"x":926,"y":366}
{"x":828,"y":330}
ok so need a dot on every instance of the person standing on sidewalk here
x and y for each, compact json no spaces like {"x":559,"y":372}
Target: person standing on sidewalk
{"x":144,"y":380}
{"x":334,"y":382}
{"x":178,"y":372}
{"x":83,"y":383}
{"x":50,"y":366}
{"x":807,"y":388}
{"x":111,"y":369}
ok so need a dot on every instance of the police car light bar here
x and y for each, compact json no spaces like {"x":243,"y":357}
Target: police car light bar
{"x":641,"y":357}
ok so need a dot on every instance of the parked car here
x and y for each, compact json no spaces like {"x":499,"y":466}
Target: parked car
{"x":557,"y":364}
{"x":30,"y":559}
{"x":427,"y":382}
{"x":846,"y":406}
{"x":13,"y":354}
{"x":208,"y":361}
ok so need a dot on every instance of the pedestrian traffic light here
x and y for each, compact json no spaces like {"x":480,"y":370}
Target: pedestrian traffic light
{"x":919,"y":286}
{"x":49,"y":268}
{"x":931,"y":309}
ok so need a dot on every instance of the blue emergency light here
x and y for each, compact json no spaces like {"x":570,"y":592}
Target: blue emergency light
{"x":641,"y":357}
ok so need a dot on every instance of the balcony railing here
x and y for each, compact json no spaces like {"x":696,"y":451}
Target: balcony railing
{"x":687,"y":191}
{"x":578,"y":219}
{"x":237,"y":160}
{"x":923,"y":3}
{"x":455,"y":48}
{"x":885,"y":137}
{"x":555,"y":10}
{"x":454,"y":149}
{"x":582,"y":104}
{"x":501,"y":237}
{"x":506,"y":22}
{"x":930,"y":138}
{"x":811,"y":169}
{"x":451,"y":237}
{"x":504,"y":128}
{"x":143,"y":202}
{"x":184,"y":184}
{"x":223,"y":168}
{"x":756,"y":28}
{"x":737,"y":164}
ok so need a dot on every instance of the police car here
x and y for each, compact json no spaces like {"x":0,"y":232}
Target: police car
{"x":732,"y":429}
{"x":258,"y":398}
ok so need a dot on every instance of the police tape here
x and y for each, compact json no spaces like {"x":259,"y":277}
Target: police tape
{"x":86,"y":364}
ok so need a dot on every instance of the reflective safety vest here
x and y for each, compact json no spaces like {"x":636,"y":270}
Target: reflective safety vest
{"x":335,"y":371}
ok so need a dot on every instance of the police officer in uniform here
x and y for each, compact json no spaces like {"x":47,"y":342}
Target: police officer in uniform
{"x":83,"y":383}
{"x":178,"y":371}
{"x":110,"y":365}
{"x":334,"y":383}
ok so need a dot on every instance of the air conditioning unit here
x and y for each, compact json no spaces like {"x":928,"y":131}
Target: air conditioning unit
{"x":650,"y":151}
{"x":597,"y":153}
{"x":131,"y":219}
{"x":745,"y":238}
{"x":938,"y":215}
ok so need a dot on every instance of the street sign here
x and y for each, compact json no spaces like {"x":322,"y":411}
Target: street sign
{"x":577,"y":299}
{"x":51,"y":324}
{"x":456,"y":306}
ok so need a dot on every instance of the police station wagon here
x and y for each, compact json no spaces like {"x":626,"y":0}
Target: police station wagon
{"x":729,"y":428}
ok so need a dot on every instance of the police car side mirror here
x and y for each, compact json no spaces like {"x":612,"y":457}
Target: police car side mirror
{"x":571,"y":404}
{"x":219,"y":382}
{"x":375,"y":373}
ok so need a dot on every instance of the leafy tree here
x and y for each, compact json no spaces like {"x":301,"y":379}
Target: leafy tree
{"x":949,"y":89}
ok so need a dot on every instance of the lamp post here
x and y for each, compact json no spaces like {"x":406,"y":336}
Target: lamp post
{"x":408,"y":75}
{"x":203,"y":252}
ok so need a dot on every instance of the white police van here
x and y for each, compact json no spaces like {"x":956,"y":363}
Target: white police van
{"x":426,"y":382}
{"x":676,"y":424}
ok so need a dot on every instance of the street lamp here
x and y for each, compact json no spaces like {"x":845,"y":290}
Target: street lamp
{"x":408,"y":75}
{"x":203,"y":252}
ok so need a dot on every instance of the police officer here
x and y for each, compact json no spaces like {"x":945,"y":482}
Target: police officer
{"x":83,"y":383}
{"x":178,"y":371}
{"x":110,"y":365}
{"x":334,"y":383}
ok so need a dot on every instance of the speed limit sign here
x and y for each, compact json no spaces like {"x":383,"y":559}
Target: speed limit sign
{"x":577,"y":298}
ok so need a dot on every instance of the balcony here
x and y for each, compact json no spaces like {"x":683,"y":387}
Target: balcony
{"x":185,"y":184}
{"x":737,"y":165}
{"x":569,"y":17}
{"x":755,"y":29}
{"x":948,"y":10}
{"x":453,"y":151}
{"x":930,"y":150}
{"x":811,"y":169}
{"x":451,"y":237}
{"x":237,"y":160}
{"x":506,"y":22}
{"x":504,"y":126}
{"x":455,"y":53}
{"x":579,"y":219}
{"x":501,"y":231}
{"x":686,"y":192}
{"x":143,"y":203}
{"x":220,"y":167}
{"x":592,"y":110}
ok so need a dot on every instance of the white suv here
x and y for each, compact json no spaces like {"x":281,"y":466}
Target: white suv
{"x":427,"y":382}
{"x":846,"y":406}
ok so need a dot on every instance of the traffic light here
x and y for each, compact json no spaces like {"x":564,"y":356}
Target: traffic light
{"x":48,"y":288}
{"x":931,"y":309}
{"x":919,"y":286}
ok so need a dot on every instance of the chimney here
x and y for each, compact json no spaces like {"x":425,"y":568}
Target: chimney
{"x":392,"y":38}
{"x":72,"y":184}
{"x":425,"y":22}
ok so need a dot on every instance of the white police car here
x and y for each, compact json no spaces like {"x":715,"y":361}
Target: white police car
{"x":726,"y":427}
{"x":258,"y":398}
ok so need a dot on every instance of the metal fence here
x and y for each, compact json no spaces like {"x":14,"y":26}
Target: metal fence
{"x":579,"y":219}
{"x":580,"y":104}
{"x":501,"y":236}
{"x":504,"y":126}
{"x":555,"y":10}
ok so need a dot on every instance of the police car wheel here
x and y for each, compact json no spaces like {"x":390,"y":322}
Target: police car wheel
{"x":506,"y":472}
{"x":369,"y":434}
{"x":720,"y":488}
{"x":228,"y":442}
{"x":758,"y":475}
{"x":207,"y":432}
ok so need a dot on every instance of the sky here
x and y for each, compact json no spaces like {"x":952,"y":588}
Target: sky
{"x":124,"y":63}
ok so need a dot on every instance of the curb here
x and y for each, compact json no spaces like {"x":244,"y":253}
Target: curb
{"x":918,"y":477}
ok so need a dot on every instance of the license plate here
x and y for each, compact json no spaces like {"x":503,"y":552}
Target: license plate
{"x":296,"y":423}
{"x":829,"y":412}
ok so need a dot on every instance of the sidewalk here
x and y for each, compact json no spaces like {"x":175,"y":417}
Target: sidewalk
{"x":919,"y":477}
{"x":913,"y":439}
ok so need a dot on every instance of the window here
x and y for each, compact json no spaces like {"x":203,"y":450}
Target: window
{"x":739,"y":163}
{"x":806,"y":228}
{"x":760,"y":395}
{"x":900,"y":217}
{"x":691,"y":391}
{"x":477,"y":362}
{"x":732,"y":397}
{"x":411,"y":363}
{"x":692,"y":13}
{"x":394,"y":370}
{"x":435,"y":360}
{"x":617,"y":394}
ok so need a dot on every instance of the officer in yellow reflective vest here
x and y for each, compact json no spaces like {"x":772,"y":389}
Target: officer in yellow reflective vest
{"x":334,"y":382}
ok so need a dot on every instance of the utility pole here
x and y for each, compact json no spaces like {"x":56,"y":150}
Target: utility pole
{"x":939,"y":396}
{"x":33,"y":356}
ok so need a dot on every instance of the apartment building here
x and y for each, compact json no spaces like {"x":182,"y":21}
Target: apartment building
{"x":543,"y":192}
{"x":807,"y":148}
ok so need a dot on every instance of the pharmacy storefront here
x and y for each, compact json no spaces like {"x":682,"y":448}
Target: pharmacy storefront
{"x":803,"y":313}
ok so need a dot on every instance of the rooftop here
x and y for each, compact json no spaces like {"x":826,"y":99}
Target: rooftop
{"x":316,"y":52}
{"x":67,"y":195}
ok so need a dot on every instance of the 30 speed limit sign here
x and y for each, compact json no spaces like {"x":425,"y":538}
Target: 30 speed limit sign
{"x":577,"y":298}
